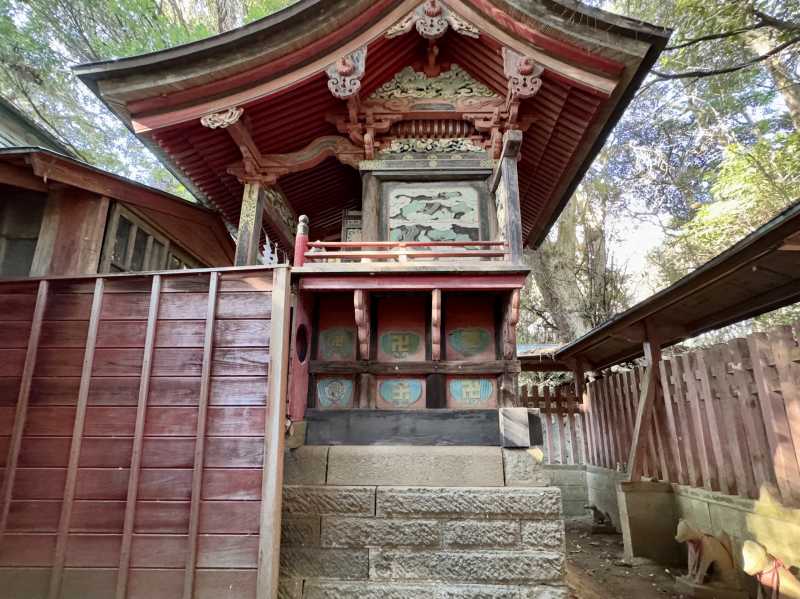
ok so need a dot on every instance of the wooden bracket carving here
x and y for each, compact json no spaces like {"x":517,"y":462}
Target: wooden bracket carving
{"x":510,"y":322}
{"x":523,"y":75}
{"x":361,"y":305}
{"x":436,"y":324}
{"x":432,"y":19}
{"x":221,"y":120}
{"x":344,"y":76}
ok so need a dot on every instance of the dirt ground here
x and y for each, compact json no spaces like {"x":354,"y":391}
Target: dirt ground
{"x":596,"y":568}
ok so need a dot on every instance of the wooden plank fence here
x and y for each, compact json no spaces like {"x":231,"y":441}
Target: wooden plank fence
{"x":133,"y":412}
{"x":726,"y":418}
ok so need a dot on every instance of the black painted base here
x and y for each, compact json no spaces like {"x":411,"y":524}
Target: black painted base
{"x":411,"y":427}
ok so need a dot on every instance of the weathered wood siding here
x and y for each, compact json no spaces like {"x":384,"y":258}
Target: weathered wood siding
{"x":726,"y":418}
{"x":139,"y":471}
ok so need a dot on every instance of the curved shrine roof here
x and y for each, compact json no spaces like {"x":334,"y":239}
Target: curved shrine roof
{"x":275,"y":70}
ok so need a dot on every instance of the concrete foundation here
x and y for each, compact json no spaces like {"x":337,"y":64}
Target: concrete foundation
{"x":440,"y":531}
{"x":648,"y":522}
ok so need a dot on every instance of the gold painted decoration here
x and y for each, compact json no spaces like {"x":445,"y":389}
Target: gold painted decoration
{"x":451,"y":84}
{"x":278,"y":207}
{"x":444,"y":146}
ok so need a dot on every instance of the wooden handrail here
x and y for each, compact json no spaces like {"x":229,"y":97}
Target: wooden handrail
{"x":412,"y":254}
{"x":392,"y":244}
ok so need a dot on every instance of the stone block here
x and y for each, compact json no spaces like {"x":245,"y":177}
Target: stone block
{"x":545,"y":592}
{"x":571,"y":509}
{"x":461,"y":591}
{"x":290,"y":588}
{"x":507,"y":502}
{"x":305,"y":465}
{"x":543,"y":534}
{"x":477,"y":533}
{"x":573,"y":493}
{"x":514,"y":427}
{"x":300,"y":531}
{"x":374,"y":532}
{"x":467,"y":566}
{"x":566,"y":475}
{"x":408,"y":465}
{"x":523,"y":469}
{"x":322,"y":501}
{"x":314,"y":562}
{"x":365,"y":590}
{"x":644,"y":534}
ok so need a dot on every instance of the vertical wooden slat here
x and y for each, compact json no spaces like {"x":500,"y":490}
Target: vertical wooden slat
{"x":21,"y":412}
{"x":618,"y":391}
{"x":752,"y":417}
{"x":591,"y":414}
{"x":572,"y":416}
{"x":718,"y":443}
{"x":672,"y":431}
{"x":787,"y":472}
{"x":548,"y":423}
{"x":138,"y":441}
{"x":697,"y":421}
{"x":272,"y":472}
{"x":200,"y":439}
{"x":559,"y":415}
{"x":680,"y":390}
{"x":608,"y":446}
{"x":616,"y":420}
{"x":57,"y":572}
{"x":788,"y":371}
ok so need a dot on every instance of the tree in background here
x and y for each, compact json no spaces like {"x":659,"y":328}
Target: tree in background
{"x":41,"y":39}
{"x":709,"y":150}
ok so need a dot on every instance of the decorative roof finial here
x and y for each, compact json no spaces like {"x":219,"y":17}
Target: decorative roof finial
{"x":432,"y":19}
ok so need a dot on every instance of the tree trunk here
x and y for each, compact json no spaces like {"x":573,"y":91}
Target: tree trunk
{"x":230,"y":14}
{"x":788,"y":88}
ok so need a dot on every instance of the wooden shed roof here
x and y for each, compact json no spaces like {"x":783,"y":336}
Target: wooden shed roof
{"x":274,"y":68}
{"x":759,"y":274}
{"x":196,"y":228}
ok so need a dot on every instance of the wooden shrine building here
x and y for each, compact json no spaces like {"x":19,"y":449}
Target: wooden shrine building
{"x":402,"y":153}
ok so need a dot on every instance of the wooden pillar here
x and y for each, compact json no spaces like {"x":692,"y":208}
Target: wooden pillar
{"x":647,"y":399}
{"x":21,"y":413}
{"x":70,"y":486}
{"x":505,"y":185}
{"x":138,"y":442}
{"x":275,"y":427}
{"x":370,"y":208}
{"x":250,"y":224}
{"x":301,"y":241}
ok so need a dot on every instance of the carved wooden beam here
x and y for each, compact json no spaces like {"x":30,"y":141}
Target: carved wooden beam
{"x":344,"y":76}
{"x":436,"y":324}
{"x":361,"y":305}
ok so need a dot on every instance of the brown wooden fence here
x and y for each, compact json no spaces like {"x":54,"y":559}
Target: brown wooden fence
{"x":562,"y":422}
{"x":133,"y":412}
{"x":726,"y":419}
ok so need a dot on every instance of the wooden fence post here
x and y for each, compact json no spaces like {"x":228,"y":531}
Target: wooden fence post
{"x":649,"y":391}
{"x":272,"y":470}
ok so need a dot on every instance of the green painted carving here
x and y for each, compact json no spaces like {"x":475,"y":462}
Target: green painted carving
{"x":279,"y":206}
{"x":401,"y":393}
{"x":420,"y":213}
{"x":471,"y":392}
{"x":445,"y":145}
{"x":337,"y":343}
{"x":455,"y":83}
{"x":470,"y":341}
{"x":334,"y":393}
{"x":400,"y":344}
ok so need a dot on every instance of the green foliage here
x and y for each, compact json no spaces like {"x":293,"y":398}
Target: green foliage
{"x":41,"y":39}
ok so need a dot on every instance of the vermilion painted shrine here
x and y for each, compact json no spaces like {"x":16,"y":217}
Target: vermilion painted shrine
{"x":347,"y":423}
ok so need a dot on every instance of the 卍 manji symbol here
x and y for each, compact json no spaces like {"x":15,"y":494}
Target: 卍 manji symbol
{"x":400,"y":344}
{"x":471,"y":391}
{"x":401,"y":392}
{"x":470,"y":341}
{"x":338,"y":342}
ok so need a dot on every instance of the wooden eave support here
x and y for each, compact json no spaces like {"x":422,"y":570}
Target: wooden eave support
{"x":20,"y":177}
{"x":505,"y":186}
{"x":647,"y":399}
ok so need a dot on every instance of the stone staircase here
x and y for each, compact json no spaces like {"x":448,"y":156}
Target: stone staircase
{"x":420,"y":522}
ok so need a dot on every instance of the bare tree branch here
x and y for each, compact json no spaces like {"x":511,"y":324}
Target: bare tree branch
{"x":732,"y":69}
{"x":716,"y":36}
